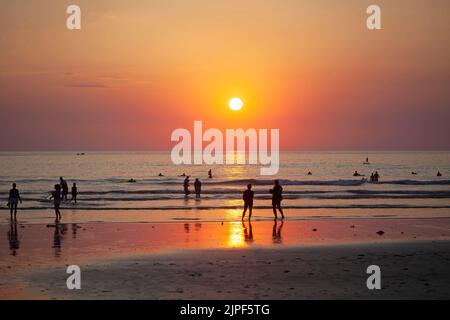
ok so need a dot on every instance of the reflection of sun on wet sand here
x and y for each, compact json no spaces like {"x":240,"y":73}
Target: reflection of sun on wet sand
{"x":256,"y":260}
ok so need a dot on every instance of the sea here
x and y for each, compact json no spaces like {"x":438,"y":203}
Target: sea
{"x":408,"y":185}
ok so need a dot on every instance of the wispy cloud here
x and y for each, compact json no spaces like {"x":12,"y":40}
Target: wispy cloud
{"x":87,"y":85}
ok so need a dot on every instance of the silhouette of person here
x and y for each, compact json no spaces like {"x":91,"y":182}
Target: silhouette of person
{"x":248,"y":196}
{"x":13,"y":201}
{"x":372,"y":177}
{"x":198,"y":188}
{"x":210,"y":174}
{"x":64,"y":188}
{"x":277,"y":197}
{"x":160,"y":175}
{"x":74,"y":193}
{"x":439,"y":174}
{"x":376,"y":176}
{"x":13,"y":238}
{"x":186,"y":186}
{"x":357,"y":174}
{"x":56,"y":196}
{"x":276,"y":232}
{"x":248,"y":233}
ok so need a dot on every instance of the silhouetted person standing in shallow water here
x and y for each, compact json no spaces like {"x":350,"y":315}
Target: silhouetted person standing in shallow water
{"x":376,"y":177}
{"x":56,"y":196}
{"x":277,"y":196}
{"x":64,"y":187}
{"x":198,"y":188}
{"x":13,"y":201}
{"x":74,"y":193}
{"x":186,"y":186}
{"x":210,"y":174}
{"x":247,"y":196}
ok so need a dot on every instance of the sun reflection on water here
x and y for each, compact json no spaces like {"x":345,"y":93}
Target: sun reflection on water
{"x":236,"y":238}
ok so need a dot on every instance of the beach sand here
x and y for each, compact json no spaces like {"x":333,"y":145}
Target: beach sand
{"x":319,"y":259}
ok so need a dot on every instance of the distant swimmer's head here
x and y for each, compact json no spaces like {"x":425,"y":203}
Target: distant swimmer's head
{"x":249,"y":186}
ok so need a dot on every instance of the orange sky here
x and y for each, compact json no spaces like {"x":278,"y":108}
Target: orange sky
{"x":139,"y":69}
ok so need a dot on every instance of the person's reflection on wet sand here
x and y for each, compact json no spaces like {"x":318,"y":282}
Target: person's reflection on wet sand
{"x":13,"y":239}
{"x":276,"y":232}
{"x":58,"y":236}
{"x":74,"y":230}
{"x":248,"y":233}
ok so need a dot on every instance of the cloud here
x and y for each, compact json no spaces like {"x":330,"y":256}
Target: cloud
{"x":87,"y":85}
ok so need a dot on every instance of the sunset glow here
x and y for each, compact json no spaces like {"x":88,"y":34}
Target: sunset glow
{"x":135,"y":72}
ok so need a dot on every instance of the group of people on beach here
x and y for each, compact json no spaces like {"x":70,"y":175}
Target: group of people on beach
{"x":247,"y":196}
{"x":374,"y":177}
{"x":61,"y":191}
{"x":277,"y":196}
{"x":59,"y":194}
{"x":197,"y":184}
{"x":197,"y":187}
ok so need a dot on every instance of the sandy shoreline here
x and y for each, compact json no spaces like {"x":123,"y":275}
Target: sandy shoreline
{"x":324,"y":259}
{"x":409,"y":271}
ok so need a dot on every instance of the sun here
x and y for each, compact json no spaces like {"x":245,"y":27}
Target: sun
{"x":235,"y":104}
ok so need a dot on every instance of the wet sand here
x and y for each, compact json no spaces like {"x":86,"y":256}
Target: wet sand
{"x":323,"y":259}
{"x":71,"y":215}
